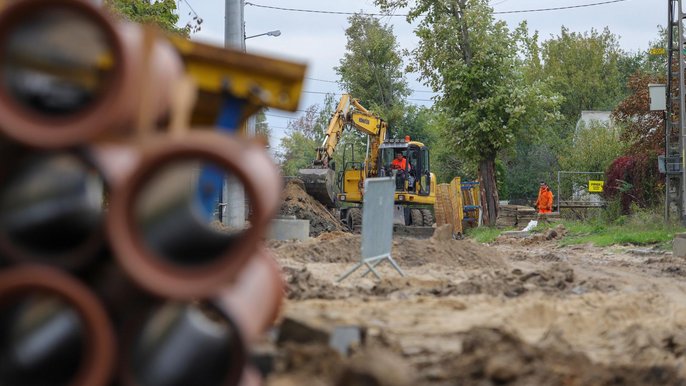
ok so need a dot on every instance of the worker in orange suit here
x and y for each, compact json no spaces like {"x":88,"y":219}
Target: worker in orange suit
{"x":544,"y":203}
{"x":399,"y":164}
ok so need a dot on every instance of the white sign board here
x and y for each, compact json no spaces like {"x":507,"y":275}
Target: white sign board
{"x":658,"y":97}
{"x":377,"y":217}
{"x":377,"y":225}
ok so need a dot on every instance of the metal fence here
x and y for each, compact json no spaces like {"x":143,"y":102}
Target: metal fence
{"x":580,"y":189}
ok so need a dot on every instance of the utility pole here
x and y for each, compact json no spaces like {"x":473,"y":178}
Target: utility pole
{"x":682,"y":104}
{"x":234,"y":37}
{"x":674,"y":116}
{"x":234,"y":32}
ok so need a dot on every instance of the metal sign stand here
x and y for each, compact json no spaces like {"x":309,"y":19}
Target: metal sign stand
{"x":377,"y":226}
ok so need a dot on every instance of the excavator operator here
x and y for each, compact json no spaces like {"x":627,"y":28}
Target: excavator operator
{"x":399,"y":164}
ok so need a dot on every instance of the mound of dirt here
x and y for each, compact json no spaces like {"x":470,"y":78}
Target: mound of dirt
{"x":557,"y":279}
{"x":315,"y":364}
{"x":300,"y":284}
{"x":491,"y":356}
{"x":296,"y":202}
{"x":342,"y":249}
{"x":345,"y":248}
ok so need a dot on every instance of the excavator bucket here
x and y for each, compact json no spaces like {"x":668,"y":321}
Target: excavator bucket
{"x":319,"y":183}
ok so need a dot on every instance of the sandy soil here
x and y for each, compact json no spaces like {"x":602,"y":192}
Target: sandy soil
{"x":296,"y":202}
{"x":520,"y":311}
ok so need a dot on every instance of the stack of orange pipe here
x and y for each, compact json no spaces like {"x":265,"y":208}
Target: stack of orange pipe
{"x":108,"y":275}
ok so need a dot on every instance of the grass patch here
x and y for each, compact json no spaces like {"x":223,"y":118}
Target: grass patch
{"x":634,"y":231}
{"x":484,"y":234}
{"x":643,"y":228}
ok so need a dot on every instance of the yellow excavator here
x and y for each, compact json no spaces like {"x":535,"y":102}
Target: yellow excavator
{"x":415,"y":192}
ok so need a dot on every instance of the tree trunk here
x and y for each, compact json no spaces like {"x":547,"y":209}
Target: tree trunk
{"x":489,"y":191}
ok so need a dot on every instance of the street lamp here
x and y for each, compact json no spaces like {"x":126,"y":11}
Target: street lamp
{"x":270,"y":33}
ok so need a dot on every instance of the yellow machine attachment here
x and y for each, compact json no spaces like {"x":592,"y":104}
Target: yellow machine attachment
{"x":319,"y":180}
{"x":258,"y":80}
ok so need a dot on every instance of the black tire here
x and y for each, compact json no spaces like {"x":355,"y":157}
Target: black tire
{"x":348,"y":221}
{"x":355,"y":220}
{"x":417,"y":218}
{"x":428,"y":217}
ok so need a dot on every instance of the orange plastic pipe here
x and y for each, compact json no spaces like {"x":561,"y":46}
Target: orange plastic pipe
{"x":118,"y":103}
{"x":243,"y":159}
{"x":99,"y":347}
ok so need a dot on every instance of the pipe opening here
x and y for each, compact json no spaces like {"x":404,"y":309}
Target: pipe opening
{"x":187,"y":344}
{"x":56,"y":61}
{"x":179,"y":210}
{"x":41,"y":341}
{"x":51,"y":205}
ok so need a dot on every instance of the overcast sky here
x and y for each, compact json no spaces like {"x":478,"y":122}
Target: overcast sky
{"x":318,"y":39}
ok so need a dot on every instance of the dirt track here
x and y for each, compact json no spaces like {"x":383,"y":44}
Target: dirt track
{"x":520,"y":312}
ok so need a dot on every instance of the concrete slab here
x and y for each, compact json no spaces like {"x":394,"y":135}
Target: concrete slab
{"x":518,"y":234}
{"x":289,"y":229}
{"x":344,"y":338}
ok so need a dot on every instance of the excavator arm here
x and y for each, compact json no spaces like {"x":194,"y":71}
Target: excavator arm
{"x":319,"y":180}
{"x":349,"y":113}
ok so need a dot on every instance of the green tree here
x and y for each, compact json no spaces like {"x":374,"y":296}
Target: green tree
{"x":471,"y":60}
{"x":162,"y":13}
{"x":594,"y":149}
{"x":371,"y":69}
{"x":417,"y":122}
{"x":592,"y":73}
{"x":525,"y":165}
{"x":585,"y":69}
{"x":303,"y":136}
{"x":261,"y":125}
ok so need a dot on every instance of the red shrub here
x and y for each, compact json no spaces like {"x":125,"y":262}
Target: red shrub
{"x":634,"y":179}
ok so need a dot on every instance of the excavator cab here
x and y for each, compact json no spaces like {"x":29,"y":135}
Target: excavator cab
{"x":344,"y":191}
{"x":415,"y":177}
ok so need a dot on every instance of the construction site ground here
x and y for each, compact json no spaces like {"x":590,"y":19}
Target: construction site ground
{"x":521,"y":311}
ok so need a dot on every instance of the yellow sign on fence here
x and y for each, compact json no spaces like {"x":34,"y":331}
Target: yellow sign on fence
{"x":595,"y":186}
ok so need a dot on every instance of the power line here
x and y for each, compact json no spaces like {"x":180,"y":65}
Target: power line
{"x":337,"y":93}
{"x":405,"y":15}
{"x":321,"y":80}
{"x":279,"y":116}
{"x":191,"y":8}
{"x":561,"y":8}
{"x":313,"y":10}
{"x":321,"y":92}
{"x":333,"y":81}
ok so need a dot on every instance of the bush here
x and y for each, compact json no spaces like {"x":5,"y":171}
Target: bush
{"x":634,"y":179}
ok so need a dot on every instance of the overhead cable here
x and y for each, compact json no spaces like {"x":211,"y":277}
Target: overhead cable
{"x":405,"y":15}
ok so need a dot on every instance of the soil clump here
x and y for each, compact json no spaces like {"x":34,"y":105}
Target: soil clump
{"x":296,"y":202}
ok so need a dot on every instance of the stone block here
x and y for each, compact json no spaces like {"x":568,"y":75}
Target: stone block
{"x":289,"y":229}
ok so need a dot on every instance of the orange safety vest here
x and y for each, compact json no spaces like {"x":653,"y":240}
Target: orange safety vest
{"x":399,"y":164}
{"x":545,"y":201}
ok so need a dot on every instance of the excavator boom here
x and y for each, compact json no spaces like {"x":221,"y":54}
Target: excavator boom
{"x":319,"y":180}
